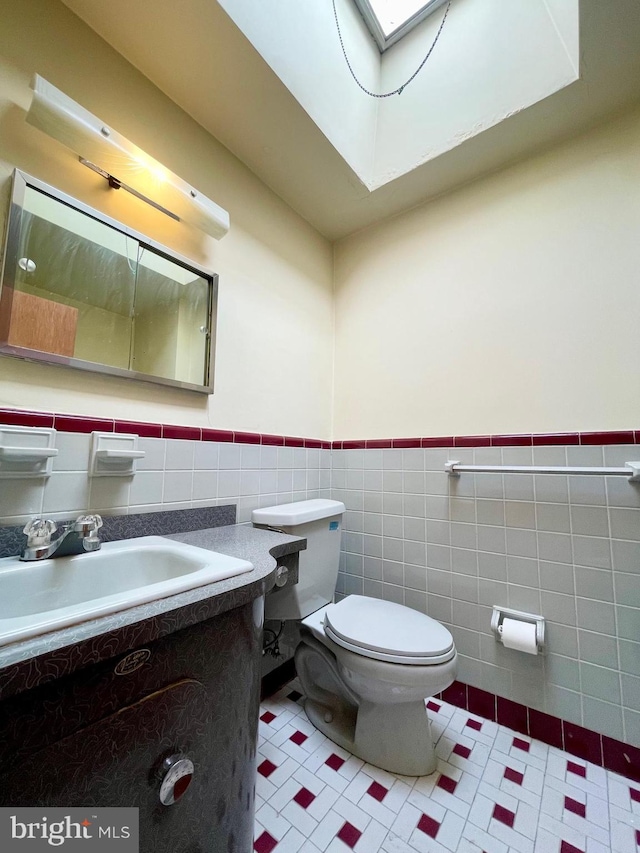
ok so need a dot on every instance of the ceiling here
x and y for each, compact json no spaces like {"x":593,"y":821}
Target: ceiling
{"x":204,"y":63}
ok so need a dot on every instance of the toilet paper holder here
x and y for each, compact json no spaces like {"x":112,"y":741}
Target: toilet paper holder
{"x":499,"y":614}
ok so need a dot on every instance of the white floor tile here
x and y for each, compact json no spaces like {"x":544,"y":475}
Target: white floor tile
{"x":623,"y":838}
{"x":308,"y":806}
{"x":322,"y":803}
{"x":406,"y":822}
{"x":561,"y":830}
{"x":509,"y":836}
{"x":284,"y":795}
{"x":546,"y":842}
{"x":308,"y":847}
{"x":372,"y":838}
{"x":274,"y":823}
{"x":475,"y":839}
{"x":378,"y":811}
{"x":327,"y":830}
{"x":292,"y":842}
{"x":597,"y":847}
{"x":397,"y":796}
{"x":394,"y":844}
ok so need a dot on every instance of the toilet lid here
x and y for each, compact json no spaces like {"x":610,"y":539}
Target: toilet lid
{"x":388,"y":631}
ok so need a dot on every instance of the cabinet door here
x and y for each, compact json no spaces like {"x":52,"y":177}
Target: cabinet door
{"x":117,"y":761}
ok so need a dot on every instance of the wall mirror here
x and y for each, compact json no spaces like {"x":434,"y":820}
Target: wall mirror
{"x":82,"y":290}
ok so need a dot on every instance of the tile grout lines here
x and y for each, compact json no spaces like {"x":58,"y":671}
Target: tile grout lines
{"x":494,"y":791}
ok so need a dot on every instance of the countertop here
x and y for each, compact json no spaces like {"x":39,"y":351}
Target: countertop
{"x":25,"y":664}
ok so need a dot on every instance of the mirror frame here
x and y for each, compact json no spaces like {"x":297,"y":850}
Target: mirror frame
{"x":21,"y":181}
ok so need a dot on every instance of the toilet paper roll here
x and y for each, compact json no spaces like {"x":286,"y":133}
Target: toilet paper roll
{"x":519,"y":635}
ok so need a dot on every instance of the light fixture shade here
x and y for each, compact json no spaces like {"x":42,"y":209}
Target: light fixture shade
{"x":63,"y":119}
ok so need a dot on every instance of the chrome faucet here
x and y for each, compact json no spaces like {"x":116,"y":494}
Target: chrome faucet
{"x":45,"y":539}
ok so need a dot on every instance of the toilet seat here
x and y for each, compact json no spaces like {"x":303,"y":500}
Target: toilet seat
{"x":386,"y":631}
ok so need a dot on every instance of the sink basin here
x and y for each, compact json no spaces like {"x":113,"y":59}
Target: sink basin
{"x":37,"y":597}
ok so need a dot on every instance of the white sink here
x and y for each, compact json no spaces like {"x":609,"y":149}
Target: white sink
{"x":41,"y":596}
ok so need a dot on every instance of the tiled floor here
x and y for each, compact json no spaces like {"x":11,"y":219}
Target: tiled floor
{"x":494,"y":791}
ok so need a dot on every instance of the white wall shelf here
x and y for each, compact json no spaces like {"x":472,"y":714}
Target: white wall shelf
{"x":26,"y":452}
{"x":113,"y":454}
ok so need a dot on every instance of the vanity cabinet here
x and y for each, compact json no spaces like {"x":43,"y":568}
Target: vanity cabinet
{"x":99,"y":736}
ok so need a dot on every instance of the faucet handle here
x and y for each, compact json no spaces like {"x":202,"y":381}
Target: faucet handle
{"x":88,"y":523}
{"x":39,"y":532}
{"x":88,"y":526}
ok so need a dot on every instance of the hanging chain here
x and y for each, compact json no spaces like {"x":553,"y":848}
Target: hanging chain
{"x":400,"y":89}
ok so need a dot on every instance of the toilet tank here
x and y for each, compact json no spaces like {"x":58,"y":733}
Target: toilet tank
{"x":319,"y":521}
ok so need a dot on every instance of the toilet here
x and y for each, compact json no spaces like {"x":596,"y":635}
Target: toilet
{"x":366,"y":666}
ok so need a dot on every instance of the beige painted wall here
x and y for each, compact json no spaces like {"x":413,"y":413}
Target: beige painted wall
{"x":275,"y":317}
{"x":508,"y":306}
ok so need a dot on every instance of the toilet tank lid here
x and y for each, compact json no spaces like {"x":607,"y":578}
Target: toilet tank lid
{"x":382,"y":626}
{"x":300,"y":512}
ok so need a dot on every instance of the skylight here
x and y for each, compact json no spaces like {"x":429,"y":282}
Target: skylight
{"x":390,"y":20}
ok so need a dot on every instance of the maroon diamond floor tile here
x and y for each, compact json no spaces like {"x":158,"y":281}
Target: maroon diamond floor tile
{"x":447,"y":784}
{"x":634,"y":794}
{"x":299,"y":738}
{"x":433,"y":707}
{"x":268,"y":717}
{"x":474,"y":724}
{"x":428,"y":825}
{"x":265,"y":843}
{"x":503,"y":815}
{"x":513,"y":775}
{"x":565,"y":847}
{"x":578,"y":769}
{"x":304,"y":798}
{"x":377,"y":791}
{"x":349,"y":834}
{"x":637,"y":837}
{"x":524,"y":745}
{"x":266,"y":768}
{"x":294,"y":695}
{"x":574,"y":806}
{"x":334,"y":761}
{"x":462,"y":751}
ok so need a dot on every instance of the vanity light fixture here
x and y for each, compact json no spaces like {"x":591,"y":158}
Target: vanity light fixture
{"x":123,"y":164}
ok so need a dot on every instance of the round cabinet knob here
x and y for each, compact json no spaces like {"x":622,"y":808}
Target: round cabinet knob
{"x":178,"y":773}
{"x":282,"y":575}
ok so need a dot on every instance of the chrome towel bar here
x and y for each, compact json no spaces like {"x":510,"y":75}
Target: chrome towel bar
{"x":631,"y":470}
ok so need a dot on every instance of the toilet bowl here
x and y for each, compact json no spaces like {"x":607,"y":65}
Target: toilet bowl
{"x":366,"y":666}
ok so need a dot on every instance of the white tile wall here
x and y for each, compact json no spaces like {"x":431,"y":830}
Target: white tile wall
{"x":174,"y":474}
{"x":566,"y":547}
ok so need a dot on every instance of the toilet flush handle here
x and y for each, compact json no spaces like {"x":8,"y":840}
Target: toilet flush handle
{"x":282,"y":575}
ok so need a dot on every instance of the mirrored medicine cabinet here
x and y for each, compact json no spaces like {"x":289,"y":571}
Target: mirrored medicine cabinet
{"x":82,"y":290}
